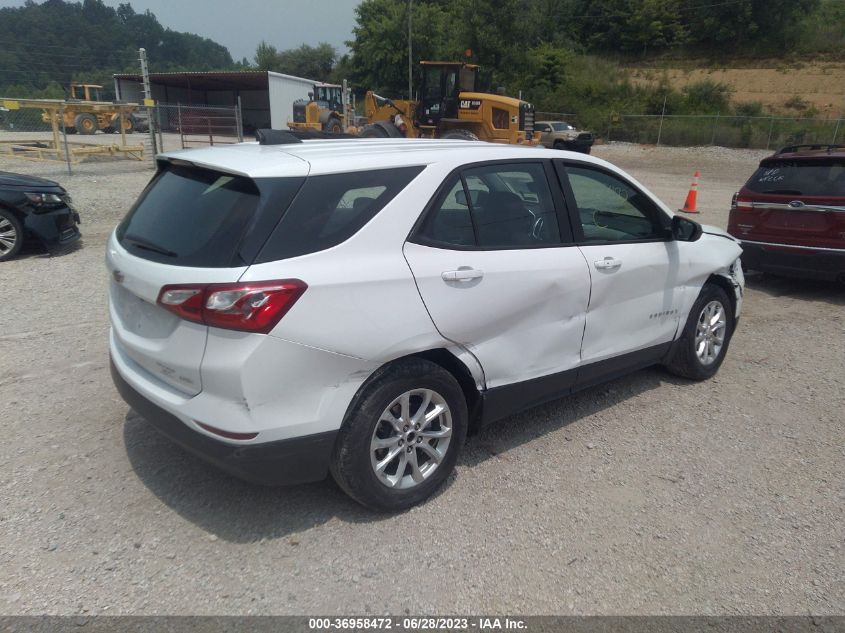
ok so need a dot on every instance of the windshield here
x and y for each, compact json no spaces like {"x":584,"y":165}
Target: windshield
{"x":561,"y":126}
{"x":819,"y":177}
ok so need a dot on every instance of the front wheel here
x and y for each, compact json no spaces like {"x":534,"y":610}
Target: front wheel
{"x":401,"y":437}
{"x":11,"y":235}
{"x":333,"y":126}
{"x":706,"y":335}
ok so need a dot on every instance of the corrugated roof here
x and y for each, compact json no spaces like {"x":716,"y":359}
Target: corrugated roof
{"x":213,"y":80}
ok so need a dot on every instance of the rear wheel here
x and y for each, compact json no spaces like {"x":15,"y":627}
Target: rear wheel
{"x":401,"y":437}
{"x":373,"y":131}
{"x":460,"y":134}
{"x":333,"y":126}
{"x":85,"y":123}
{"x":707,"y":333}
{"x":560,"y":145}
{"x":11,"y":235}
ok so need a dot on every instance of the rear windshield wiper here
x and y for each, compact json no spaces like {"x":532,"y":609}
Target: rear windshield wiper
{"x":794,"y":192}
{"x":149,"y":246}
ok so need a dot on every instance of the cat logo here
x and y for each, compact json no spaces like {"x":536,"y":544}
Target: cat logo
{"x":470,"y":104}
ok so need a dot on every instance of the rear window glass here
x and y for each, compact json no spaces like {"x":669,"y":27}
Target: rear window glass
{"x":825,"y":177}
{"x":190,"y":217}
{"x":330,"y":209}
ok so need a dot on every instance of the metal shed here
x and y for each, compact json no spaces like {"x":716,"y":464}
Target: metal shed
{"x":266,"y":97}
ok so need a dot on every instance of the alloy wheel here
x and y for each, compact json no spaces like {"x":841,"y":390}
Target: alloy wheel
{"x":8,"y":236}
{"x":411,"y":438}
{"x":710,"y":332}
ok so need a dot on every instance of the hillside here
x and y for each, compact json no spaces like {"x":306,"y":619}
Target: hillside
{"x":45,"y":46}
{"x":804,"y":88}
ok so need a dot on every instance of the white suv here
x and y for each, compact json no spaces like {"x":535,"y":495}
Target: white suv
{"x":286,"y":308}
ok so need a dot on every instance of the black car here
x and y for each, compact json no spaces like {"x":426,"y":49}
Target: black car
{"x":34,"y":209}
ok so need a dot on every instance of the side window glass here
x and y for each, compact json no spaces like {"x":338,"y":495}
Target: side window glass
{"x":450,"y":223}
{"x":331,"y":208}
{"x":513,"y":206}
{"x":610,"y":209}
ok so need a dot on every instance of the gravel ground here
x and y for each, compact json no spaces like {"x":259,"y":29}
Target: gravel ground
{"x":649,"y":495}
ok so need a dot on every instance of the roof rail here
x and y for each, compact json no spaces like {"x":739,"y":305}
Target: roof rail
{"x":811,"y":146}
{"x":266,"y":136}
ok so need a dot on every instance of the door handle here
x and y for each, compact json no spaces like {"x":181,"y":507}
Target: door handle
{"x":608,"y":263}
{"x":462,"y":274}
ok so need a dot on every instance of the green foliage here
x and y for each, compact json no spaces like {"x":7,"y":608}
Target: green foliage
{"x":379,"y":52}
{"x":311,"y":62}
{"x":707,"y":96}
{"x":626,"y":26}
{"x":749,"y":108}
{"x":47,"y":45}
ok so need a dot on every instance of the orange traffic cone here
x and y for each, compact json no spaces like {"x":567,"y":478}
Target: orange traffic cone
{"x":689,"y":205}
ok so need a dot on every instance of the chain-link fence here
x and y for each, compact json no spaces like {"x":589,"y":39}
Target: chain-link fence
{"x":568,"y":117}
{"x":725,"y":131}
{"x":54,"y":130}
{"x":184,"y":126}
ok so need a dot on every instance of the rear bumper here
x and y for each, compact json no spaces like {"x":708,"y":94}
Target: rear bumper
{"x":794,"y":261}
{"x":282,"y":462}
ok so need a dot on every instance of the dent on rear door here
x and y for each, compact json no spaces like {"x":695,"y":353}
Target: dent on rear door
{"x":523,"y":319}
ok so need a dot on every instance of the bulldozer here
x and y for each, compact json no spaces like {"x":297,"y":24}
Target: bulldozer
{"x":85,"y":112}
{"x":323,"y":111}
{"x":450,"y":107}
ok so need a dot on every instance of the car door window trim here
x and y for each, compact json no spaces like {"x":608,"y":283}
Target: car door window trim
{"x":561,"y":165}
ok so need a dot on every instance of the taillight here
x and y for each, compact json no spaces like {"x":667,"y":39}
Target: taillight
{"x":249,"y":307}
{"x":741,"y":203}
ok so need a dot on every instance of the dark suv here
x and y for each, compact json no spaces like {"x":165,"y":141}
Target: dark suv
{"x":790,"y":215}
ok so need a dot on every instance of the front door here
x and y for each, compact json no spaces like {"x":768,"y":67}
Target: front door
{"x":637,"y":291}
{"x":497,"y":272}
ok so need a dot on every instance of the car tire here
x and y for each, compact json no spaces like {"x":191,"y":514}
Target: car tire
{"x":379,"y":437}
{"x":706,"y":336}
{"x":459,"y":134}
{"x":559,"y":145}
{"x":586,"y":150}
{"x":11,"y":235}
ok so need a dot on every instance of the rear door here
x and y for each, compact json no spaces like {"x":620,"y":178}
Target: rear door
{"x":188,"y":227}
{"x":796,"y":202}
{"x":496,"y":270}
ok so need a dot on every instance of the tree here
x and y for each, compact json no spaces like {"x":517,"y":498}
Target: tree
{"x":379,"y":52}
{"x":266,"y":56}
{"x":311,"y":62}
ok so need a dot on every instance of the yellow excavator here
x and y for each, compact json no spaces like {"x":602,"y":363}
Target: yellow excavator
{"x":450,"y":107}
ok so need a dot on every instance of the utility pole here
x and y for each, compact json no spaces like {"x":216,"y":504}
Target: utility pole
{"x":410,"y":62}
{"x":145,"y":74}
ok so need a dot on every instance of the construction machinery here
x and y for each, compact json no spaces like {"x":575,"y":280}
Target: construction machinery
{"x":323,"y":111}
{"x":450,"y":107}
{"x":85,"y":112}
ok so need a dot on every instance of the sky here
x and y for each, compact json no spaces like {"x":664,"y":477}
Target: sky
{"x":241,"y":24}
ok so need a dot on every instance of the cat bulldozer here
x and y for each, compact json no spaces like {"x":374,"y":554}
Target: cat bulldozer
{"x":323,"y":111}
{"x":85,"y":113}
{"x":450,"y":107}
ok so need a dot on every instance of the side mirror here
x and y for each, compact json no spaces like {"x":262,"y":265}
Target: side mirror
{"x":685,"y":230}
{"x":461,"y":198}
